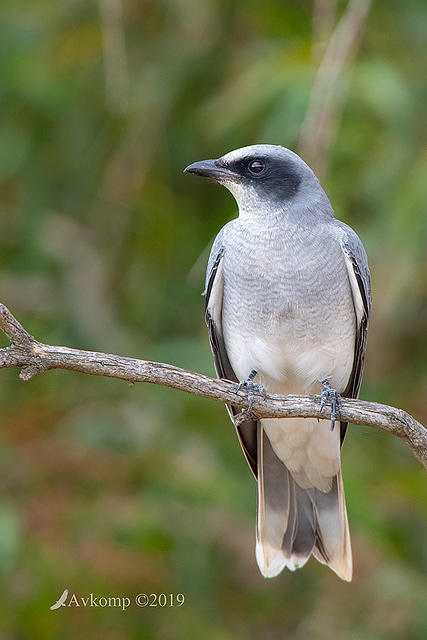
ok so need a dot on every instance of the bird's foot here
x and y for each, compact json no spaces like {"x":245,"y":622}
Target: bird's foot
{"x":336,"y":403}
{"x":251,"y":386}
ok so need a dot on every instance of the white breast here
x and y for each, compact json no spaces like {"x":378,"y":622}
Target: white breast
{"x":292,"y":363}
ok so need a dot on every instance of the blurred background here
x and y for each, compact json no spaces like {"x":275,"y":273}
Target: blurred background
{"x":117,"y":490}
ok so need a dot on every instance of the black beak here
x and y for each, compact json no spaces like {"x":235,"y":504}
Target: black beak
{"x":211,"y":169}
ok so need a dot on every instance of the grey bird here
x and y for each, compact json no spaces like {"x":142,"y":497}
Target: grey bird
{"x":288,"y":299}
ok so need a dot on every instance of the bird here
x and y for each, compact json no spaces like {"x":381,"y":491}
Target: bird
{"x":61,"y":600}
{"x":288,"y":300}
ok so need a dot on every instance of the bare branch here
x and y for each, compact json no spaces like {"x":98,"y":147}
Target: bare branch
{"x":33,"y":357}
{"x":114,"y":46}
{"x":323,"y":21}
{"x":328,"y":96}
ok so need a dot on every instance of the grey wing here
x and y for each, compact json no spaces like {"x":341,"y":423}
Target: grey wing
{"x":360,"y":281}
{"x":247,"y":431}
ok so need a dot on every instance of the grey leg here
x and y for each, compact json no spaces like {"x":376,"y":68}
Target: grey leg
{"x":336,"y":404}
{"x":251,"y":386}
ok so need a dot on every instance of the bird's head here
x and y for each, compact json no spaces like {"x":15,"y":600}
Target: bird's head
{"x":262,"y":178}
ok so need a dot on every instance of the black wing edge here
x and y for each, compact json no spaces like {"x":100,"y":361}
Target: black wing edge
{"x":247,"y":431}
{"x":353,"y":386}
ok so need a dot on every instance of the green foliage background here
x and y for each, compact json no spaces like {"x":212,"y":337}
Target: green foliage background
{"x":103,"y":245}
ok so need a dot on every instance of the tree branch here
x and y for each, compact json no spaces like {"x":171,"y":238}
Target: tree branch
{"x":34,"y":357}
{"x":327,"y":99}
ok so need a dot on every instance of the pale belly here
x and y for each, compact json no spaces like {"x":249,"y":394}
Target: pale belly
{"x":293,"y":353}
{"x":292,"y":364}
{"x":308,"y":447}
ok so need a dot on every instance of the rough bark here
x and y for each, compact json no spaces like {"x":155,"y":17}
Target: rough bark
{"x":34,"y":357}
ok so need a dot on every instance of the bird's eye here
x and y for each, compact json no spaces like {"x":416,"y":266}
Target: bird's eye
{"x":256,"y":166}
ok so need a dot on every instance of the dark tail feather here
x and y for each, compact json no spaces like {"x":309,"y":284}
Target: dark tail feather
{"x":294,"y":523}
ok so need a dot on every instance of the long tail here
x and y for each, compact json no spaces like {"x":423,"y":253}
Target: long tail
{"x":293,"y":523}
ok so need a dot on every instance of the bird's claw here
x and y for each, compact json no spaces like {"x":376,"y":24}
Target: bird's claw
{"x":251,"y":386}
{"x":334,"y":397}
